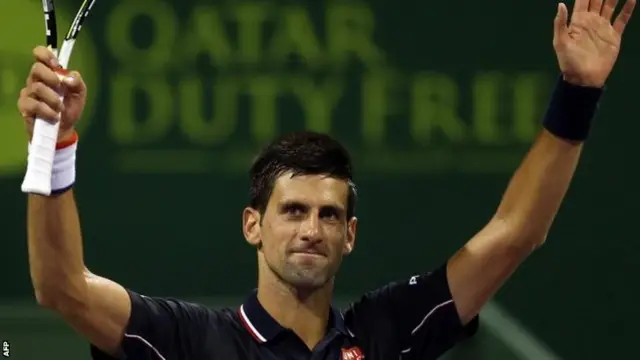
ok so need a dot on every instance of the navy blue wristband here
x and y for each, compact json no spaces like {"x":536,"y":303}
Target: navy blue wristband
{"x":571,"y":110}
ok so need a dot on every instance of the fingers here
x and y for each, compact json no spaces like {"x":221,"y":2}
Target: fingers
{"x":74,"y":83}
{"x":25,"y":114}
{"x":31,"y":108}
{"x":595,"y":6}
{"x":45,"y":94}
{"x":625,"y":15}
{"x":46,"y":56}
{"x":560,"y":23}
{"x":580,"y":6}
{"x":608,"y":9}
{"x":42,"y":73}
{"x":45,"y":83}
{"x":46,"y":70}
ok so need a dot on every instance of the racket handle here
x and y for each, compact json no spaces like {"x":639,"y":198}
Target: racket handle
{"x":42,"y":150}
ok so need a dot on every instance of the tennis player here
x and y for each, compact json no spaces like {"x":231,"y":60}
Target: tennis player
{"x":301,"y":221}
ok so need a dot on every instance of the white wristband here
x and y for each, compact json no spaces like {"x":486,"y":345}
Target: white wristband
{"x":63,"y":173}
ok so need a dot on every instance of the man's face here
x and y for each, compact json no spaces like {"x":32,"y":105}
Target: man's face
{"x":304,"y":232}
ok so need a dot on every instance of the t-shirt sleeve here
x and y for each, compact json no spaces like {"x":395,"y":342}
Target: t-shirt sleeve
{"x":161,"y":329}
{"x":416,"y":316}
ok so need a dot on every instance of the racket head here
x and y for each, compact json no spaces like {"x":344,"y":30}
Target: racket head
{"x":50,"y":24}
{"x":80,"y":18}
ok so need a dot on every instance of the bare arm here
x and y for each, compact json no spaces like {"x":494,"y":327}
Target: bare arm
{"x":96,"y":307}
{"x":586,"y":50}
{"x":520,"y":224}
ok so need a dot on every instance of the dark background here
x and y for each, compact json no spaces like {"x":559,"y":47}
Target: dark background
{"x":438,"y":101}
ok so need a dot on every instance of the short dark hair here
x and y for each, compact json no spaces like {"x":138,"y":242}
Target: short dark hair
{"x":301,"y":153}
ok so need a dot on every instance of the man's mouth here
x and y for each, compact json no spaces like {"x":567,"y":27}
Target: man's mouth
{"x":308,"y":252}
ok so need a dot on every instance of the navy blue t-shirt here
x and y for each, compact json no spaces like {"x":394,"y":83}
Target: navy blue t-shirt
{"x":412,"y":319}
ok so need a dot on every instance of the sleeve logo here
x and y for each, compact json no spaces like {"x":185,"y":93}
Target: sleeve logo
{"x":414,"y":280}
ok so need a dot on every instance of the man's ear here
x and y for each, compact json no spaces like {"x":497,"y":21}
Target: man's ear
{"x":251,"y":226}
{"x":352,"y":226}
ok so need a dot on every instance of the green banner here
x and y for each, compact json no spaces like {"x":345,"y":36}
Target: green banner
{"x":437,"y":101}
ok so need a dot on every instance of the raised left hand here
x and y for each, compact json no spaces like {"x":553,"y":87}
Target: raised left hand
{"x":588,"y":46}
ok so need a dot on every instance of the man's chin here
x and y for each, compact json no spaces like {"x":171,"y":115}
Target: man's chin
{"x":307,"y":278}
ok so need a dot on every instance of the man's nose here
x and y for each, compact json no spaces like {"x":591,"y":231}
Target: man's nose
{"x":310,"y":228}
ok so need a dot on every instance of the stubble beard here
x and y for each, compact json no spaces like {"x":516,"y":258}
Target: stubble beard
{"x":307,"y":278}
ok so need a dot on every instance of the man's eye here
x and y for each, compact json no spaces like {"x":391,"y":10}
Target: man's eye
{"x":294,"y":210}
{"x":329,"y":214}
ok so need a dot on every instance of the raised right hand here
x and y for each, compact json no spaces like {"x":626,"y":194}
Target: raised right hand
{"x":40,"y":98}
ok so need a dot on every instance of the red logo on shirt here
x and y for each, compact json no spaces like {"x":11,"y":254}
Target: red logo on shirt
{"x":352,"y":353}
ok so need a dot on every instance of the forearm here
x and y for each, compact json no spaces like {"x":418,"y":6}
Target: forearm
{"x":55,"y":250}
{"x":538,"y":187}
{"x":520,"y":224}
{"x":586,"y":50}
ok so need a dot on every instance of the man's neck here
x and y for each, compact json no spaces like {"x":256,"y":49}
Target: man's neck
{"x":307,"y":314}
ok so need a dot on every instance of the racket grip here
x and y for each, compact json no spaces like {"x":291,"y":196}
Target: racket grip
{"x":42,"y":150}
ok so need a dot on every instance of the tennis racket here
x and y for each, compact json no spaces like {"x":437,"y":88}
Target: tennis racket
{"x":45,"y":134}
